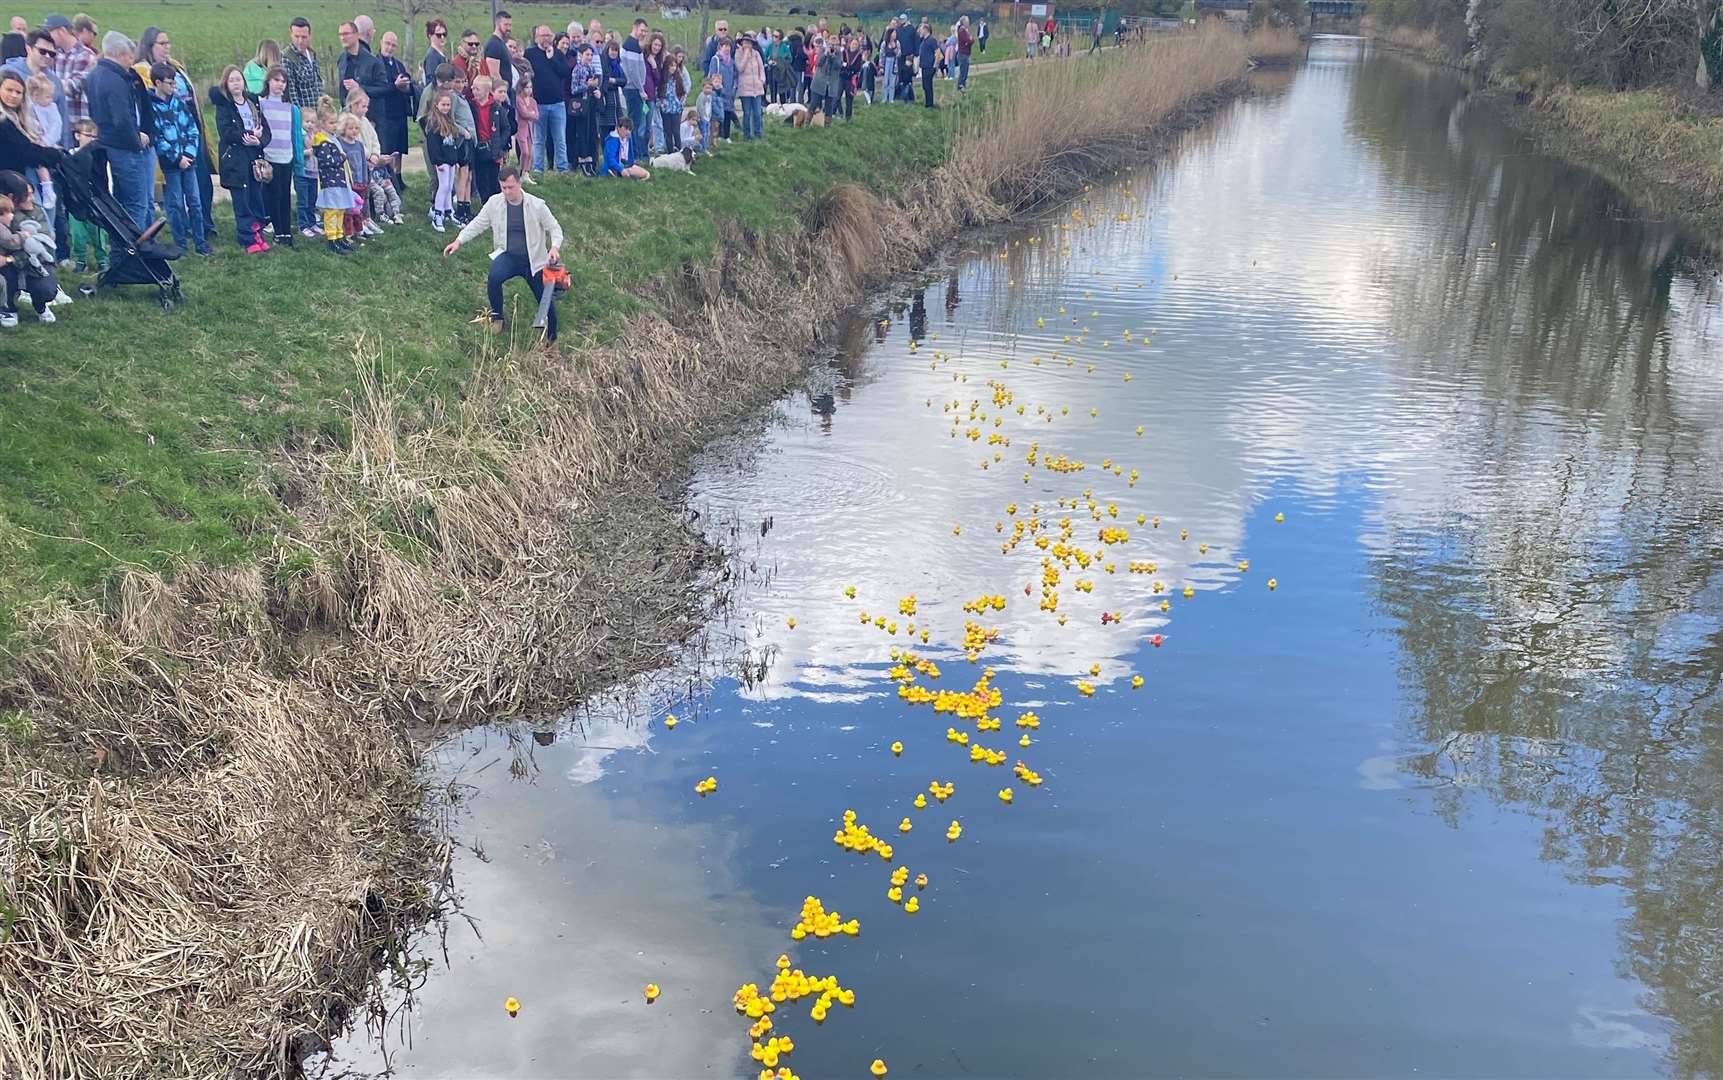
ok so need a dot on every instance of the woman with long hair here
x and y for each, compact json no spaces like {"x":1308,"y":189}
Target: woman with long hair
{"x":672,"y":98}
{"x":586,"y":81}
{"x":243,"y":133}
{"x":257,"y":68}
{"x":888,"y":50}
{"x":611,"y":81}
{"x":21,"y":148}
{"x":656,"y":55}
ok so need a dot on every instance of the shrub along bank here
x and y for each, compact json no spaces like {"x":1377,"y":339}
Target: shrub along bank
{"x":1629,"y":89}
{"x":210,"y":792}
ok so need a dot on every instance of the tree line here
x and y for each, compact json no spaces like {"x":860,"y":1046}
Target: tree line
{"x":1585,"y":42}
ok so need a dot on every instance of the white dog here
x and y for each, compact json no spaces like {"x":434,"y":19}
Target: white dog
{"x":785,"y":109}
{"x":681,"y":161}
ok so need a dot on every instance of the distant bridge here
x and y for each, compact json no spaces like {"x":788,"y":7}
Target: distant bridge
{"x":1336,"y":9}
{"x":1239,"y":10}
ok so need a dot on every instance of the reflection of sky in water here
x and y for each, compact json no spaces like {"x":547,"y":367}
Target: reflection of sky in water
{"x":1265,"y":861}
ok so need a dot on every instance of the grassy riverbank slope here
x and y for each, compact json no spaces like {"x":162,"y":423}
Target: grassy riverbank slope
{"x":1661,"y":142}
{"x":257,"y":542}
{"x":133,"y":437}
{"x":1664,"y":147}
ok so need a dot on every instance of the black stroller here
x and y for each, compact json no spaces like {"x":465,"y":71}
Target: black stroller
{"x":136,"y":258}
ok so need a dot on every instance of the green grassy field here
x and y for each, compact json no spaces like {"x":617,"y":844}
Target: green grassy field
{"x":133,"y":435}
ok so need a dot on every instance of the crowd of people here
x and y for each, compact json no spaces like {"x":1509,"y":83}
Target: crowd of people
{"x":313,"y":151}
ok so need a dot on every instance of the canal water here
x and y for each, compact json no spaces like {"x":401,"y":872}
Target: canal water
{"x":1443,"y":798}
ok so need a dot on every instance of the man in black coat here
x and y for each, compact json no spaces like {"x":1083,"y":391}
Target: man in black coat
{"x":550,"y":79}
{"x":356,"y":66}
{"x":125,"y":124}
{"x":395,"y":106}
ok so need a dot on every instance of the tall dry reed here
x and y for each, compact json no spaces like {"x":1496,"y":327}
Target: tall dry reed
{"x":1056,"y":125}
{"x":1273,"y":45}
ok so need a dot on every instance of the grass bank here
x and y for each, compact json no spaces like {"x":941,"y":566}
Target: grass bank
{"x":369,"y":518}
{"x":132,"y":437}
{"x":1662,"y":145}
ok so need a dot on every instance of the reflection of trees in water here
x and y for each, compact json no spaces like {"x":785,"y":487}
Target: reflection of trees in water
{"x":1561,"y":640}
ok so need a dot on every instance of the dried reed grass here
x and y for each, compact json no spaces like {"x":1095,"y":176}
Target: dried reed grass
{"x":216,"y":822}
{"x":1056,"y":125}
{"x":1274,"y":45}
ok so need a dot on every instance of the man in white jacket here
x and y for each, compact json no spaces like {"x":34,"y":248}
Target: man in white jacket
{"x":525,"y":238}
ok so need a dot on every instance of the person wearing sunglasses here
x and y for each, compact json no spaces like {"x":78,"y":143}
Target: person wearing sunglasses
{"x":468,"y":61}
{"x":436,"y":52}
{"x":38,"y":59}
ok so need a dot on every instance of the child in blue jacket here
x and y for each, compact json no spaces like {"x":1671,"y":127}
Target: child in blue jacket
{"x":619,"y":154}
{"x":178,"y":143}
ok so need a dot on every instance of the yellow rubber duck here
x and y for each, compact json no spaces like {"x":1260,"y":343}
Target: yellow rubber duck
{"x":1136,"y":682}
{"x":894,"y":894}
{"x":1273,"y":584}
{"x":877,"y":1068}
{"x":1189,"y":592}
{"x":670,"y":722}
{"x":1005,"y":796}
{"x":1024,"y":739}
{"x":792,"y":622}
{"x":783,"y":961}
{"x":512,"y":1006}
{"x":912,"y":905}
{"x":921,"y":802}
{"x":850,"y":591}
{"x":921,"y":881}
{"x":1278,"y":518}
{"x":897,"y":749}
{"x":651,"y":993}
{"x":905,"y":825}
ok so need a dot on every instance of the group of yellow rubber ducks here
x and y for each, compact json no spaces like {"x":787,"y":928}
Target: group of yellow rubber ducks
{"x":1062,"y":554}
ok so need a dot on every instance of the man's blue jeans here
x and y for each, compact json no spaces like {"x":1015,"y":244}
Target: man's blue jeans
{"x":550,"y":133}
{"x":962,"y":72}
{"x":134,"y":181}
{"x":642,"y":123}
